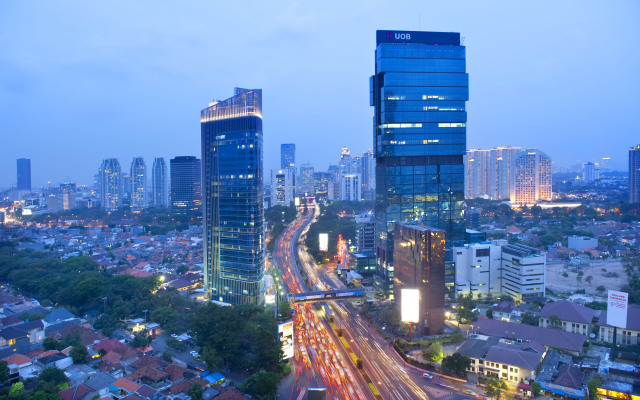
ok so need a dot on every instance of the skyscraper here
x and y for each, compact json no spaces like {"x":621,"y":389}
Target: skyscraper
{"x":306,"y":178}
{"x":110,"y":182}
{"x":186,"y":185}
{"x":159,"y":183}
{"x":24,"y":174}
{"x":368,"y":173}
{"x":350,"y":187}
{"x":418,"y":92}
{"x":589,"y":172}
{"x":489,"y":172}
{"x":233,"y":227}
{"x":419,"y":264}
{"x":288,"y":155}
{"x":138,"y":185}
{"x":281,"y":187}
{"x":634,"y":174}
{"x":532,"y":177}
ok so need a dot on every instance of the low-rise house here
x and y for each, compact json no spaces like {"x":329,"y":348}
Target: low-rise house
{"x":558,"y":375}
{"x":627,"y":336}
{"x":57,"y":315}
{"x":568,"y":316}
{"x":505,"y":359}
{"x":570,"y":342}
{"x":23,"y":365}
{"x":123,"y":386}
{"x":149,"y":375}
{"x":33,"y":330}
{"x":54,"y":358}
{"x":100,"y":383}
{"x":79,"y":392}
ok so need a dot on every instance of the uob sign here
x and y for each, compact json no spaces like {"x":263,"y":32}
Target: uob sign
{"x":398,"y":36}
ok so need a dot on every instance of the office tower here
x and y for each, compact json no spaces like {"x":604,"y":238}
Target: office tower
{"x":186,"y":185}
{"x":523,"y":270}
{"x":477,"y":269}
{"x":532,"y":177}
{"x":588,"y":172}
{"x":368,"y":173}
{"x":418,"y":92}
{"x":233,"y":223}
{"x":126,"y":184}
{"x":111,"y":190}
{"x":501,"y":162}
{"x":288,"y":156}
{"x":138,"y":185}
{"x":634,"y":174}
{"x":306,"y":179}
{"x":605,"y":164}
{"x":24,"y":174}
{"x":68,"y":191}
{"x":366,"y":231}
{"x":350,"y":187}
{"x":477,"y":170}
{"x":281,"y":187}
{"x":345,"y":163}
{"x":321,"y":181}
{"x":419,"y":264}
{"x":159,"y":189}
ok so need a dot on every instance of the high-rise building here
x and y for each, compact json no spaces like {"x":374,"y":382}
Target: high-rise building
{"x":281,"y":187}
{"x":589,"y":172}
{"x":368,"y":173}
{"x":306,"y":179}
{"x":634,"y":174}
{"x":350,"y":187}
{"x":138,"y":185}
{"x":489,"y":172}
{"x":186,"y":185}
{"x":24,"y":174}
{"x":366,"y":232}
{"x":288,"y":156}
{"x":419,"y":264}
{"x":126,"y":184}
{"x":477,"y":171}
{"x":605,"y":164}
{"x":501,"y":165}
{"x":234,"y":246}
{"x":321,"y":182}
{"x":532,"y":177}
{"x":523,"y":270}
{"x":160,"y":193}
{"x":68,"y":191}
{"x":418,"y":92}
{"x":110,"y":182}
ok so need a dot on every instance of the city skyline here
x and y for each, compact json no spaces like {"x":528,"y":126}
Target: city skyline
{"x":109,"y":70}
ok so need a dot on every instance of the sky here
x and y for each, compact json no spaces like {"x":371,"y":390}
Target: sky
{"x":83,"y":81}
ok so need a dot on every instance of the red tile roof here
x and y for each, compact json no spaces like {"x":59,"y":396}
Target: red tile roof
{"x":126,"y":384}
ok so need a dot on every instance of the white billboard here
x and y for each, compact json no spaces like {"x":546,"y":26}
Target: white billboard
{"x":296,"y":202}
{"x":617,"y":305}
{"x":410,"y":305}
{"x":324,"y":241}
{"x":285,"y":334}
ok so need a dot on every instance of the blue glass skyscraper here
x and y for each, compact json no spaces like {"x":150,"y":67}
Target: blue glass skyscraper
{"x":233,"y":200}
{"x":418,"y":92}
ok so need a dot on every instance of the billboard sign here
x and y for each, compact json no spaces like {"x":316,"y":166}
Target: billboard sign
{"x":296,"y":202}
{"x":324,"y":241}
{"x":285,"y":336}
{"x":410,"y":305}
{"x":617,"y":305}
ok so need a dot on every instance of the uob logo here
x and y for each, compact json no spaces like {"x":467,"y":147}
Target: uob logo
{"x":401,"y":36}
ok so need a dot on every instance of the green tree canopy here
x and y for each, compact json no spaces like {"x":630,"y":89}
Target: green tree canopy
{"x":458,"y":363}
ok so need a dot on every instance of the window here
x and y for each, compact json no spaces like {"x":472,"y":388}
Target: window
{"x":482,"y":252}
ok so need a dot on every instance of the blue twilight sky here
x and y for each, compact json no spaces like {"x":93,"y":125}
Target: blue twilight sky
{"x":82,"y":81}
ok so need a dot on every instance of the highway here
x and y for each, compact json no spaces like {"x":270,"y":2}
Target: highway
{"x":320,"y":359}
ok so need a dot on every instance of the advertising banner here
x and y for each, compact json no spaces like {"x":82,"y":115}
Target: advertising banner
{"x":410,"y":305}
{"x":324,"y":241}
{"x":285,"y":335}
{"x":617,"y":305}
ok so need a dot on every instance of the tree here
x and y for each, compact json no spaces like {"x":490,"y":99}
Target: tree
{"x":51,"y":344}
{"x":79,"y":354}
{"x":458,"y":363}
{"x":529,"y":318}
{"x":601,"y":289}
{"x":167,"y":356}
{"x":489,"y":313}
{"x":592,"y":386}
{"x":467,"y":311}
{"x":495,"y":387}
{"x":589,"y":279}
{"x":142,"y":339}
{"x":195,"y":392}
{"x":285,"y":309}
{"x":16,"y":389}
{"x":262,"y":384}
{"x":52,"y":375}
{"x":535,"y":388}
{"x":4,"y":371}
{"x":555,"y":322}
{"x":433,"y":352}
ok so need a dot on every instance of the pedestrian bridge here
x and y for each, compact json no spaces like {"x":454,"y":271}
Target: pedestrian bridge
{"x":337,"y":294}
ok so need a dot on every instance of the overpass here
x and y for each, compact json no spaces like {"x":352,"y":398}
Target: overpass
{"x":337,"y":294}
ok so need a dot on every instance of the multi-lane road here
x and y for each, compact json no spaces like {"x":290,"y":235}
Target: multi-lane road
{"x":320,"y":358}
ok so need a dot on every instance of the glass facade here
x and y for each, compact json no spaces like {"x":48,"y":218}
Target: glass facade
{"x":138,"y":185}
{"x":186,"y":185}
{"x":233,"y":198}
{"x":634,"y":174}
{"x":24,"y":174}
{"x":419,"y":92}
